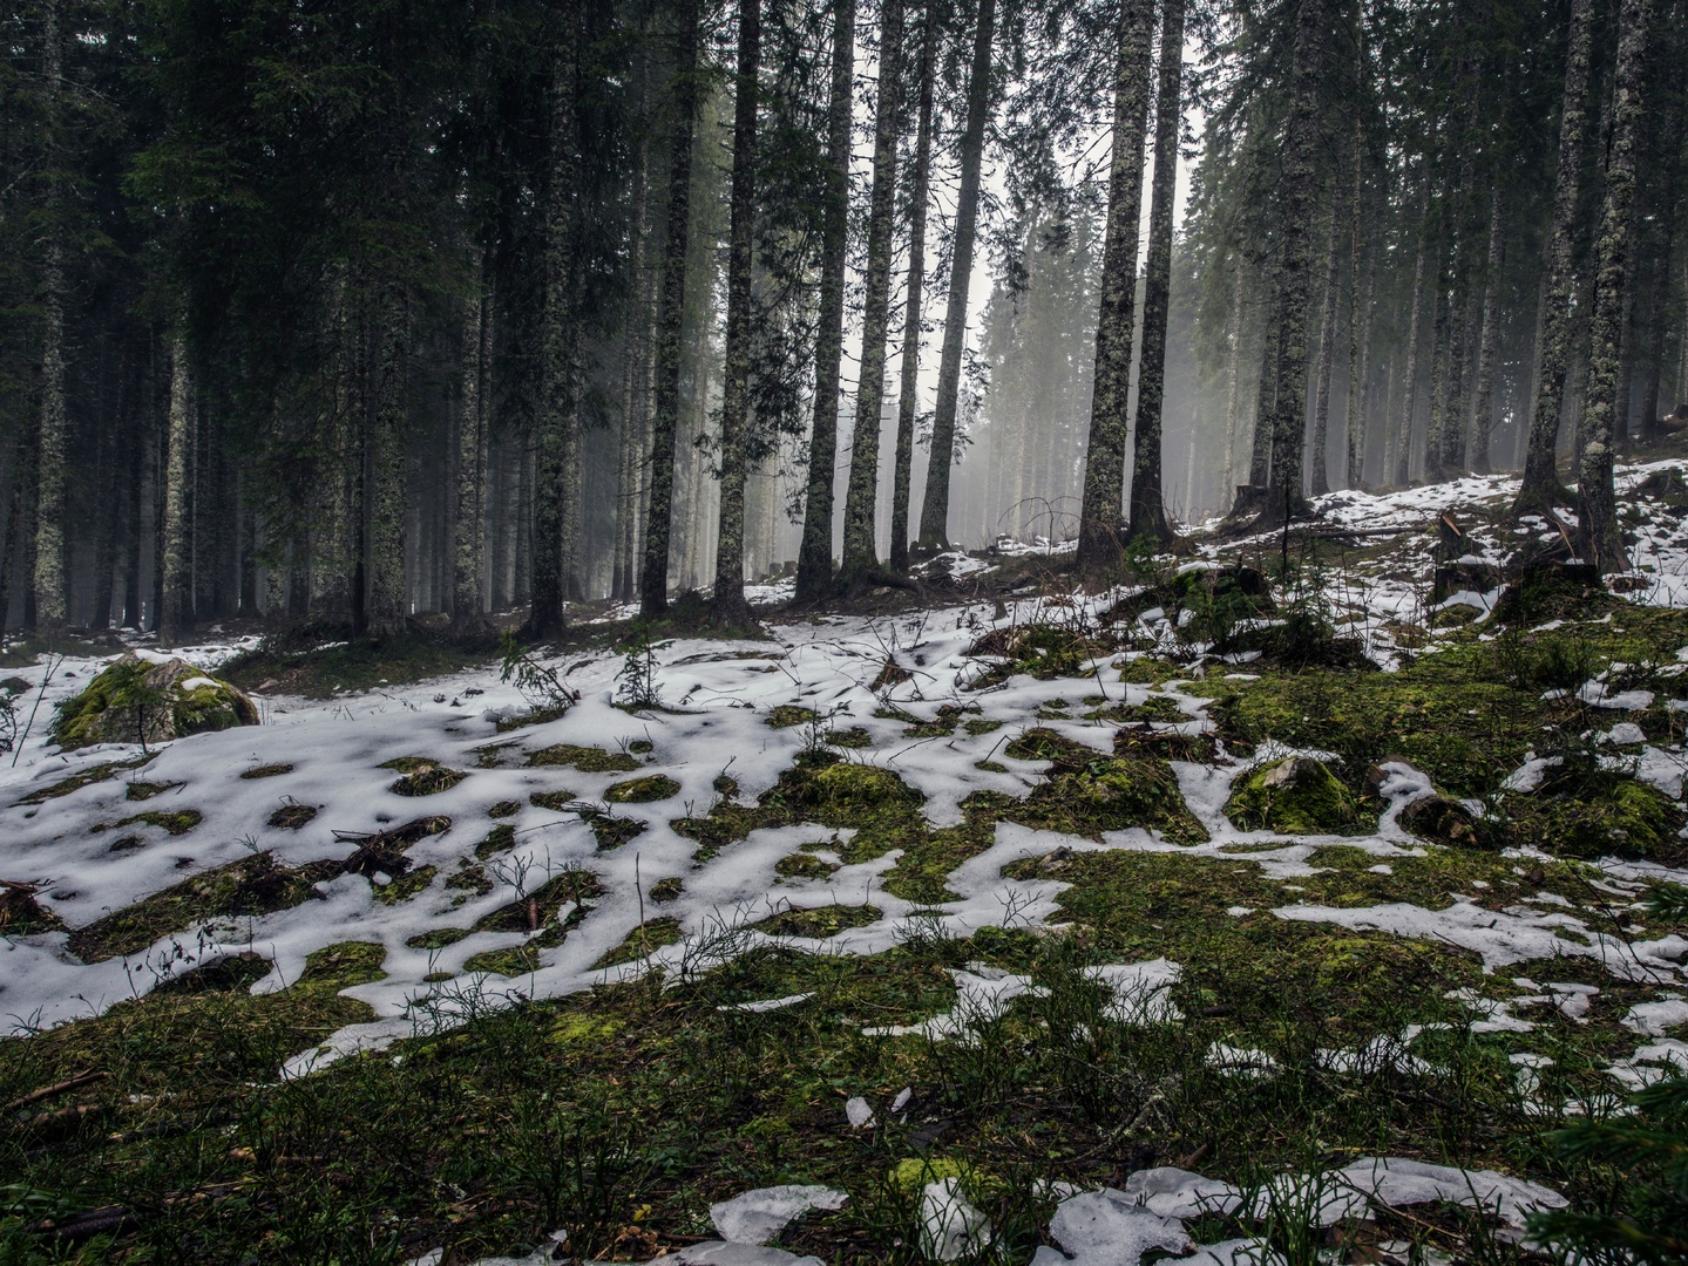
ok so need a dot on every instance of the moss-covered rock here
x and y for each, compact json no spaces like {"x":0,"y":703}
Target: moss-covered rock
{"x":1295,"y":796}
{"x":1111,"y":794}
{"x":1441,"y":820}
{"x":140,"y":701}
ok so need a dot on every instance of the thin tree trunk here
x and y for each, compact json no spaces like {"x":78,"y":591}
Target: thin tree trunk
{"x":861,"y":497}
{"x":1598,"y":537}
{"x":934,"y":510}
{"x":1540,"y":487}
{"x":386,"y":612}
{"x":730,"y":606}
{"x":665,"y":421}
{"x":1234,"y":375}
{"x":466,"y":617}
{"x":1104,"y":468}
{"x":908,"y":388}
{"x":1147,"y":517}
{"x":1362,"y":308}
{"x":1489,"y":345}
{"x":176,"y":598}
{"x":814,"y":559}
{"x":1415,"y":330}
{"x":1320,"y":477}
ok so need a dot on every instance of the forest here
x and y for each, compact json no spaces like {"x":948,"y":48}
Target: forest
{"x":826,"y":632}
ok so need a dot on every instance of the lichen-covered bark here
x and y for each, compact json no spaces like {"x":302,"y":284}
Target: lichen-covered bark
{"x":908,"y":388}
{"x":814,"y":559}
{"x":1488,"y":351}
{"x":1598,"y":537}
{"x":175,"y":607}
{"x":1147,"y":517}
{"x":730,"y":606}
{"x":1104,"y":466}
{"x":557,"y":428}
{"x":934,"y":508}
{"x":1540,"y":487}
{"x":861,"y":497}
{"x":52,"y":599}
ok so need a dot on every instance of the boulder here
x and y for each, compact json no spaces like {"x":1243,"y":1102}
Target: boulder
{"x":1297,"y":795}
{"x":143,"y":701}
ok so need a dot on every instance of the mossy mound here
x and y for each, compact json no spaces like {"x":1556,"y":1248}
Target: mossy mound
{"x":139,"y":701}
{"x":787,"y":715}
{"x":840,"y":793}
{"x":1044,"y":651}
{"x":1295,"y":796}
{"x":1442,"y":821}
{"x":647,"y":938}
{"x":252,"y":886}
{"x":1300,"y":641}
{"x":818,"y":923}
{"x":1111,"y":794}
{"x":589,"y":760}
{"x":1218,"y":596}
{"x":1581,"y":810}
{"x":422,"y":776}
{"x":642,"y":790}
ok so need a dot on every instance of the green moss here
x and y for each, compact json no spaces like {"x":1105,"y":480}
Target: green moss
{"x":642,"y":790}
{"x":1044,"y":651}
{"x":291,"y":817}
{"x":422,"y":776}
{"x":979,"y":725}
{"x":1110,"y":794}
{"x":665,"y":890}
{"x":84,"y":778}
{"x":822,"y":921}
{"x":403,"y":887}
{"x":515,"y":960}
{"x":252,"y":886}
{"x":642,"y":940}
{"x":1295,"y":796}
{"x":266,"y":771}
{"x":505,"y":809}
{"x":537,"y":911}
{"x":501,"y":839}
{"x":853,"y":739}
{"x":803,"y":866}
{"x":138,"y":790}
{"x":436,"y":938}
{"x":345,"y":963}
{"x":910,"y":1176}
{"x":356,"y":666}
{"x":1581,"y":810}
{"x":557,"y":801}
{"x":787,"y":715}
{"x":589,"y":760}
{"x":611,"y":831}
{"x":177,"y":822}
{"x":576,"y":1029}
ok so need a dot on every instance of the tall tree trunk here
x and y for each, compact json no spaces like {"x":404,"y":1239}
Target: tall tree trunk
{"x":1320,"y":477}
{"x":1295,"y":289}
{"x":1362,"y":299}
{"x":334,"y":531}
{"x":861,"y":497}
{"x":934,"y":509}
{"x":1234,"y":373}
{"x":1265,"y":401}
{"x":671,"y":317}
{"x":814,"y":559}
{"x":1415,"y":331}
{"x":557,"y":427}
{"x":1540,"y":487}
{"x":1104,"y":466}
{"x":466,"y":617}
{"x":52,"y":599}
{"x":175,"y":568}
{"x":1147,"y":506}
{"x":1598,"y":537}
{"x":730,"y":606}
{"x":386,"y":612}
{"x":1488,"y":352}
{"x":908,"y":389}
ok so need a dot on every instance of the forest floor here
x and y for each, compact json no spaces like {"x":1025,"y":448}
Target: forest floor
{"x":1193,"y":921}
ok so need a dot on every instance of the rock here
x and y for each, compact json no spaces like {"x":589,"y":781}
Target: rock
{"x":141,"y":701}
{"x":1297,"y":795}
{"x":1442,"y":821}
